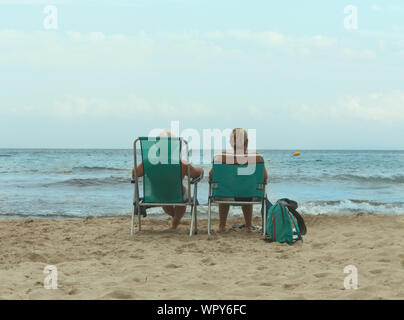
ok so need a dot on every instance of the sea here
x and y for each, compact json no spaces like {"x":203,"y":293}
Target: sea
{"x":70,"y":183}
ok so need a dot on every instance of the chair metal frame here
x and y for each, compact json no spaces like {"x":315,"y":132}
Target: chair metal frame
{"x":138,"y":202}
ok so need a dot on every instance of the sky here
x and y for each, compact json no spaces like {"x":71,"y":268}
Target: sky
{"x":302,"y":74}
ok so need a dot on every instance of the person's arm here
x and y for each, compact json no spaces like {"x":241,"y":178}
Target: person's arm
{"x":193,"y":171}
{"x":139,"y":171}
{"x":265,"y":174}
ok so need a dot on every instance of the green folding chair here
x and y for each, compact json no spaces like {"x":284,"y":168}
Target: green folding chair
{"x":162,"y":183}
{"x":236,"y":185}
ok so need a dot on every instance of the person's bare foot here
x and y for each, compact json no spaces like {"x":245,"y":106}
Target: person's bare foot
{"x":248,"y":229}
{"x":221,"y":229}
{"x":171,"y":230}
{"x":174,"y":224}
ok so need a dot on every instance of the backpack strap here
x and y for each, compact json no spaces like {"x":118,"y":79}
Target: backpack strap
{"x":290,"y":204}
{"x":300,"y":221}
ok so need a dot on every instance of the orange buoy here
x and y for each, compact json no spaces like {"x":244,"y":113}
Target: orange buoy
{"x":296,"y":154}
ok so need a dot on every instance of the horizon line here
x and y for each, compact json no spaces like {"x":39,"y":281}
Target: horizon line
{"x":273,"y":149}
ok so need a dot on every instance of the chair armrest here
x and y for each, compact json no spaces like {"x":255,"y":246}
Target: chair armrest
{"x":197,"y":179}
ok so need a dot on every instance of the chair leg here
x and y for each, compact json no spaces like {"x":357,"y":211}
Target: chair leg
{"x":264,"y":218}
{"x":132,"y":224}
{"x":192,"y":220}
{"x":196,"y":219}
{"x":195,"y":208}
{"x":139,"y":218}
{"x":209,"y":212}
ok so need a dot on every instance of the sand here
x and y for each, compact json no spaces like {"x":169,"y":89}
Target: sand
{"x":97,"y":259}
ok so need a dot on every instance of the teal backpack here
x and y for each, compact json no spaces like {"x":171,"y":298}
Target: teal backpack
{"x":281,"y":225}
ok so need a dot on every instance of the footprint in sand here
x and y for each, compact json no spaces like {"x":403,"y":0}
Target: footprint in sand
{"x":73,"y":292}
{"x":34,"y":257}
{"x":119,"y":294}
{"x":348,"y":234}
{"x":318,"y":245}
{"x":172,"y":266}
{"x":321,"y":274}
{"x":290,"y":285}
{"x":190,"y":247}
{"x":266,"y":284}
{"x":375,"y":271}
{"x":208,"y":261}
{"x":135,"y":279}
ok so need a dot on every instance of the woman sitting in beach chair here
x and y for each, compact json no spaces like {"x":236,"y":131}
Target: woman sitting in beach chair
{"x":233,"y":194}
{"x":174,"y":211}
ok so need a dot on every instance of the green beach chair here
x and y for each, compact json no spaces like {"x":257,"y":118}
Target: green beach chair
{"x":232,"y":184}
{"x":162,"y":183}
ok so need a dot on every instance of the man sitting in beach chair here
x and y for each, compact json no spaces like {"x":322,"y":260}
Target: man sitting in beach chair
{"x":162,"y":183}
{"x":235,"y":189}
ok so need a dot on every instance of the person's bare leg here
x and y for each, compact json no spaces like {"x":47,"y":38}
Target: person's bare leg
{"x":169,"y":210}
{"x":179,"y":212}
{"x":247,"y":211}
{"x":223,"y":212}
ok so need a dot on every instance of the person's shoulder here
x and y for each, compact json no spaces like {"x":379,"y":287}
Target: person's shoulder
{"x":218,"y":158}
{"x":258,"y":157}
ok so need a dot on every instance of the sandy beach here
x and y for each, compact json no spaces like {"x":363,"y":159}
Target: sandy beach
{"x":96,"y":258}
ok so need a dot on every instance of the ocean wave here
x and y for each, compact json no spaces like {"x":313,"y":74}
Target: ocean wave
{"x":325,"y":177}
{"x":83,"y":169}
{"x":97,"y":169}
{"x":368,"y":179}
{"x":38,"y":216}
{"x":309,"y":207}
{"x":350,"y":206}
{"x":305,"y":207}
{"x":87,"y":182}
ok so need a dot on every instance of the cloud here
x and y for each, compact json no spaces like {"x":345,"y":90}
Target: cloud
{"x":162,"y":50}
{"x":273,"y":40}
{"x":96,"y":50}
{"x":385,"y":8}
{"x":385,"y":108}
{"x":226,"y":52}
{"x":269,"y":38}
{"x":362,"y":54}
{"x":379,"y":107}
{"x":129,"y":106}
{"x":32,"y":2}
{"x":376,"y":7}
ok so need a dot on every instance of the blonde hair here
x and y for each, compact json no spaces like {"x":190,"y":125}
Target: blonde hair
{"x":239,"y":139}
{"x":166,"y":133}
